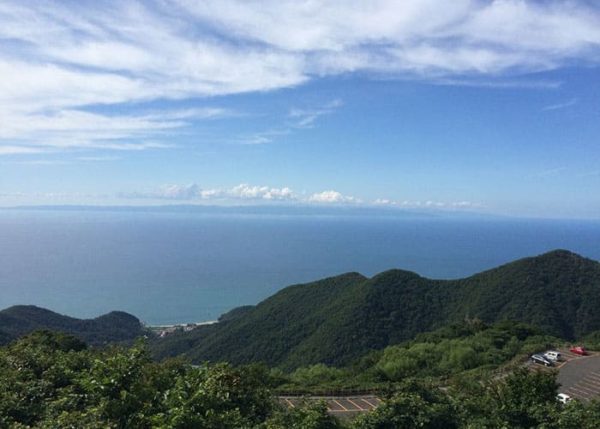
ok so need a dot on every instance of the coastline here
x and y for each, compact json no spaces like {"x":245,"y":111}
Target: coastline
{"x":174,"y":325}
{"x":164,"y":330}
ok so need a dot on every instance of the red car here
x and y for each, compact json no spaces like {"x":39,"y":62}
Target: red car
{"x":578,"y":350}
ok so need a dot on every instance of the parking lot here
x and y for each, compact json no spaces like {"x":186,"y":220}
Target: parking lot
{"x":566,"y":357}
{"x":579,"y":376}
{"x":339,"y":406}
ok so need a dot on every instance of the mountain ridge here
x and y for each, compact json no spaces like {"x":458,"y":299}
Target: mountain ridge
{"x":115,"y":326}
{"x":338,"y":319}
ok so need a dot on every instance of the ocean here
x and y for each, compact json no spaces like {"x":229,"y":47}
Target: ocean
{"x":188,"y":266}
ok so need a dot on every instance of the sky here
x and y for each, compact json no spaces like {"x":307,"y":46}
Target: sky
{"x":468,"y":105}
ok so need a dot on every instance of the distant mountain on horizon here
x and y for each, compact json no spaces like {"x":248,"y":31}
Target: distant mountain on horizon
{"x":338,"y":319}
{"x":116,"y":326}
{"x":269,"y":209}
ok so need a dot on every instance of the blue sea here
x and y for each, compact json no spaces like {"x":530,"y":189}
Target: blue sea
{"x":181,"y":266}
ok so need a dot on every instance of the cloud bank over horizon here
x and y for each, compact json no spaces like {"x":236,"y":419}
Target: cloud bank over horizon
{"x":251,"y":194}
{"x":242,"y":194}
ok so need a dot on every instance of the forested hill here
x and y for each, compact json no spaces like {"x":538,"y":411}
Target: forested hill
{"x":338,"y":319}
{"x":112,"y":327}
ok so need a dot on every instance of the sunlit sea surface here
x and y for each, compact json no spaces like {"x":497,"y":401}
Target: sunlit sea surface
{"x":170,"y":267}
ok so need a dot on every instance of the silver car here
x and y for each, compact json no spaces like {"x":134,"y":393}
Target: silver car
{"x":539,"y":359}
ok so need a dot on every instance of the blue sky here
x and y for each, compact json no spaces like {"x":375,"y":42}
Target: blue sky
{"x":465,"y":105}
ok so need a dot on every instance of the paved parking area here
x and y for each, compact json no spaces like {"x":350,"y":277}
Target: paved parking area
{"x":339,"y":406}
{"x":579,"y":377}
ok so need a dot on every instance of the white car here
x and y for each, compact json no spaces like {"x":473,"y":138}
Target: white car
{"x":552,"y":355}
{"x":563,"y":398}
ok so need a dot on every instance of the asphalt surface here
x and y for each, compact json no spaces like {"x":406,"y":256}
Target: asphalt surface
{"x":339,"y":406}
{"x":579,"y":377}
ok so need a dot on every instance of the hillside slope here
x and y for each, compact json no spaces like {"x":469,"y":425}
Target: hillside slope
{"x":112,"y":327}
{"x":338,"y":319}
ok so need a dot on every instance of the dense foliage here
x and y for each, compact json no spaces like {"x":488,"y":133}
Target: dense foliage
{"x":50,"y":380}
{"x":470,"y":349}
{"x":339,"y":319}
{"x":235,"y":313}
{"x":458,"y":348}
{"x":112,"y":327}
{"x":523,"y":399}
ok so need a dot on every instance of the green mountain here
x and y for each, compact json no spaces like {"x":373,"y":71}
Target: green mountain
{"x":339,"y":319}
{"x":112,"y":327}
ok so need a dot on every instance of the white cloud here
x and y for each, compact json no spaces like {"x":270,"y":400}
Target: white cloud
{"x":245,"y":191}
{"x":166,"y":192}
{"x":239,"y":194}
{"x":265,"y":194}
{"x":422,"y":36}
{"x":465,"y":204}
{"x":331,"y":197}
{"x":194,"y":192}
{"x":59,"y":60}
{"x":384,"y":202}
{"x":177,"y":192}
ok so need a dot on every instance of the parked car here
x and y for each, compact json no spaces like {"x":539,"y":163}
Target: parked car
{"x":539,"y":359}
{"x":563,"y":398}
{"x":578,"y":350}
{"x":552,"y":355}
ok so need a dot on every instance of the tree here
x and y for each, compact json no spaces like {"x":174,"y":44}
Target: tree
{"x":309,"y":415}
{"x":414,"y":407}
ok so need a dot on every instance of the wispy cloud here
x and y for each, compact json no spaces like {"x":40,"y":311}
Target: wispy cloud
{"x":550,"y":172}
{"x":297,"y":119}
{"x":35,"y":162}
{"x":563,"y":105}
{"x":18,"y":150}
{"x":500,"y":83}
{"x":60,"y":61}
{"x":50,"y":197}
{"x":588,"y":174}
{"x":97,"y":158}
{"x":430,"y":204}
{"x":39,"y":131}
{"x":263,"y":137}
{"x":305,"y":118}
